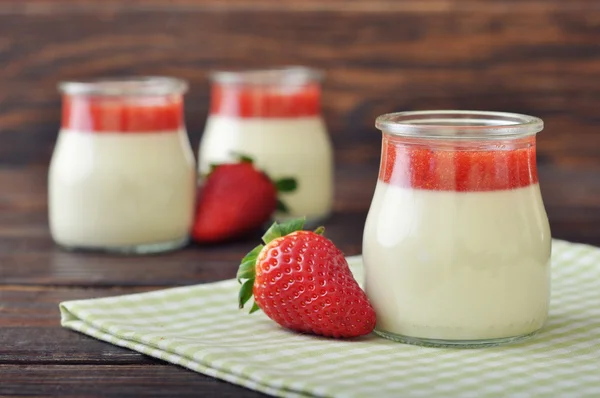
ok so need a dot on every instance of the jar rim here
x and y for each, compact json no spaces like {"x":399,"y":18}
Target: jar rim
{"x":459,"y":124}
{"x":281,"y":76}
{"x":133,"y":86}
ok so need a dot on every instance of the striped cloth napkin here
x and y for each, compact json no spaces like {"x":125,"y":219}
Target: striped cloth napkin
{"x":200,"y":328}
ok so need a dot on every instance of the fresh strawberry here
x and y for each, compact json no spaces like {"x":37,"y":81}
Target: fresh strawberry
{"x":303,"y":282}
{"x":236,"y":198}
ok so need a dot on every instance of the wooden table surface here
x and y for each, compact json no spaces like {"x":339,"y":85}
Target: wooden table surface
{"x":38,"y":357}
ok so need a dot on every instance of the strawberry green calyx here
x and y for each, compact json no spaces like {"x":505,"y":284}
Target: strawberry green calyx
{"x":245,"y":159}
{"x":247,"y":269}
{"x":278,"y":230}
{"x":320,"y":230}
{"x":284,"y":185}
{"x":239,"y":158}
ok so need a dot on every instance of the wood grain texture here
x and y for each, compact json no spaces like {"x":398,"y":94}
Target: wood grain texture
{"x":37,"y":306}
{"x":54,"y":346}
{"x":159,"y":380}
{"x":540,"y":57}
{"x":38,"y":357}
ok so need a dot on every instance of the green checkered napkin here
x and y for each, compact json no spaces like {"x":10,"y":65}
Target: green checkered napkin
{"x":200,"y":328}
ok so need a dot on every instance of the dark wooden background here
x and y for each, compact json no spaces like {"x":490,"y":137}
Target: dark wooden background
{"x":540,"y":57}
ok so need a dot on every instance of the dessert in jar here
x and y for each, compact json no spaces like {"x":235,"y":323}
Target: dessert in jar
{"x":122,"y":176}
{"x":457,"y":243}
{"x":274,"y":117}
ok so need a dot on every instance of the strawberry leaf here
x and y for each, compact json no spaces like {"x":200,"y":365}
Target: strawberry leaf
{"x":292,"y":226}
{"x":273,"y":232}
{"x":245,"y":292}
{"x":320,"y":230}
{"x":278,"y":230}
{"x":246,"y":269}
{"x":245,"y":159}
{"x":286,"y":185}
{"x":281,"y":207}
{"x":242,"y":158}
{"x":253,"y":254}
{"x":254,"y":308}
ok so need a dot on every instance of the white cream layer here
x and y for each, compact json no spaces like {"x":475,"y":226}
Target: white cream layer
{"x":457,"y":265}
{"x":114,"y":190}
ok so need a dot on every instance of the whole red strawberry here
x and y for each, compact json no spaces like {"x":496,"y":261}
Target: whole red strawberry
{"x":303,"y":282}
{"x":235,"y":198}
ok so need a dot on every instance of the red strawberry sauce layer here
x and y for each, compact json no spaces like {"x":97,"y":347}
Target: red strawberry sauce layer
{"x":458,"y":169}
{"x":265,"y":101}
{"x":118,"y":115}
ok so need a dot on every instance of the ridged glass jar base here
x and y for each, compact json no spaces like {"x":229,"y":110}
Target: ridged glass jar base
{"x":441,"y":343}
{"x":149,"y":248}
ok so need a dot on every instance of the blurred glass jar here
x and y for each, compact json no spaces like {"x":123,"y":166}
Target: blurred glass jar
{"x":122,"y":176}
{"x":274,"y":117}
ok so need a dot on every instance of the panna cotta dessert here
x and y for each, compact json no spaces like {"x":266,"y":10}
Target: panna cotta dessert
{"x":122,"y":176}
{"x":274,"y":117}
{"x":457,"y":243}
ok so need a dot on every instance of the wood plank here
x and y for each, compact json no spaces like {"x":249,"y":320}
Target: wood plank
{"x":538,"y":57}
{"x":37,"y":307}
{"x":37,"y":356}
{"x":113,"y":381}
{"x":31,"y":331}
{"x":55,"y":345}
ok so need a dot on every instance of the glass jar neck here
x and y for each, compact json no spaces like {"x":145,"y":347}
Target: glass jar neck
{"x":272,"y":93}
{"x":457,"y":125}
{"x":146,"y":105}
{"x":471,"y":144}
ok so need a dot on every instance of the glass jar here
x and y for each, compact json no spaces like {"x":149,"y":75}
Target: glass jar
{"x":274,"y":117}
{"x":122,"y":176}
{"x":457,"y":243}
